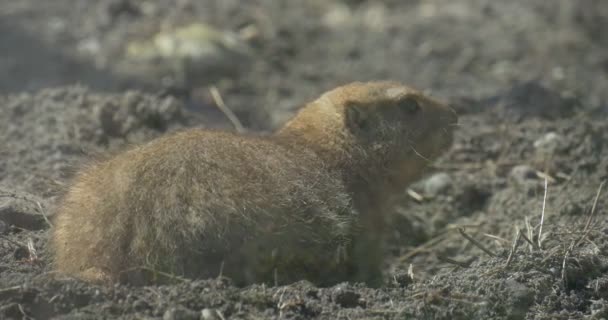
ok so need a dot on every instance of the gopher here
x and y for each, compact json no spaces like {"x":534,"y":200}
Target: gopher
{"x":309,"y":201}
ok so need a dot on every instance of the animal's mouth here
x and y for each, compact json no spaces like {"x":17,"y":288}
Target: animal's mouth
{"x":440,"y":141}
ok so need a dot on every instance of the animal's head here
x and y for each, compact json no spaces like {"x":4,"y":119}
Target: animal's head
{"x":395,"y":124}
{"x":391,"y":114}
{"x":397,"y":128}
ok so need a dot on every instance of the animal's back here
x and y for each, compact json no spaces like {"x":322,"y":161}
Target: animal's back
{"x":193,"y":201}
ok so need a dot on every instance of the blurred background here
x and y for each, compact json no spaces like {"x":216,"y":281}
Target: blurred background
{"x":266,"y":57}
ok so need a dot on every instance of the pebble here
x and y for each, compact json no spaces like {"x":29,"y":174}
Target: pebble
{"x":346,"y":298}
{"x":180,"y":313}
{"x":437,"y":183}
{"x":209,"y":314}
{"x":548,"y":143}
{"x":522,"y":174}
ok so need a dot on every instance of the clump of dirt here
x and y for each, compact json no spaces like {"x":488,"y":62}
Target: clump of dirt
{"x":510,"y":226}
{"x":46,"y":134}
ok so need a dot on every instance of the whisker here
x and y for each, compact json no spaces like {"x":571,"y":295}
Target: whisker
{"x":420,"y":155}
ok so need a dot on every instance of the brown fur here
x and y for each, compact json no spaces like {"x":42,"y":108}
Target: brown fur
{"x":308,"y":202}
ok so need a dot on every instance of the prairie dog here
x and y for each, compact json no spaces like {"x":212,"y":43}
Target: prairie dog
{"x":307,"y":202}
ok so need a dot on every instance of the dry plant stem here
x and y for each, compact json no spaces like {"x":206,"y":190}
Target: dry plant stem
{"x":154,"y":271}
{"x":550,"y":253}
{"x":586,"y":231}
{"x":530,"y":234}
{"x":221,"y":274}
{"x":33,"y":255}
{"x":463,"y":264}
{"x":564,"y":262}
{"x":415,"y":195}
{"x":25,"y":316}
{"x":514,"y":247}
{"x":9,"y":289}
{"x":219,"y":102}
{"x":436,"y":239}
{"x":597,"y":196}
{"x":44,"y":215}
{"x":220,"y":314}
{"x":410,"y":272}
{"x":542,"y":216}
{"x":496,"y":237}
{"x":523,"y":236}
{"x":422,"y":248}
{"x":588,"y":228}
{"x":475,"y":242}
{"x":545,"y":176}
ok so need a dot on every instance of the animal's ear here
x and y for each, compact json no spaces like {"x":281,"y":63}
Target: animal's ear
{"x":357,"y":117}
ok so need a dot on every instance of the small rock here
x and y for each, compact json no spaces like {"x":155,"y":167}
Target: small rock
{"x":346,"y":298}
{"x":140,"y":305}
{"x":196,"y":54}
{"x":437,"y":184}
{"x":180,"y":313}
{"x":402,"y":280}
{"x":22,"y":210}
{"x":548,"y":143}
{"x":209,"y":314}
{"x":522,"y":174}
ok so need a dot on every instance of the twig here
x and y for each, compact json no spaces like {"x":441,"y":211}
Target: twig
{"x":44,"y":215}
{"x":280,"y":305}
{"x":550,"y":253}
{"x":597,"y":196}
{"x":495,"y":237}
{"x":587,"y":228}
{"x":25,"y":316}
{"x":33,"y":255}
{"x":423,"y":247}
{"x":221,"y":275}
{"x":220,"y":314}
{"x":410,"y":272}
{"x":514,"y":247}
{"x":523,"y":236}
{"x":9,"y":289}
{"x":545,"y":176}
{"x":542,"y":216}
{"x":530,"y":233}
{"x":564,"y":264}
{"x":275,"y":275}
{"x":462,"y":264}
{"x":155,"y":273}
{"x":415,"y":195}
{"x":476,"y":243}
{"x":219,"y":102}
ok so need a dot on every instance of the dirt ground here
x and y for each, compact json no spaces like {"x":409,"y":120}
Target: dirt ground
{"x":528,"y":79}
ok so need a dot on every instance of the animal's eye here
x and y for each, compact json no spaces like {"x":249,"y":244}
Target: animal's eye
{"x":409,"y":105}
